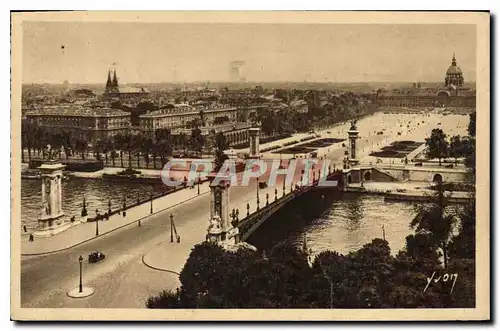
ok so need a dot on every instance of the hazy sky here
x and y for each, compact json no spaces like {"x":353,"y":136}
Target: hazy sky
{"x":163,"y":52}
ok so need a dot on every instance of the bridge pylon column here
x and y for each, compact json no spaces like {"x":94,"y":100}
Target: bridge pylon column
{"x":220,"y":229}
{"x":353,"y":136}
{"x":253,"y":136}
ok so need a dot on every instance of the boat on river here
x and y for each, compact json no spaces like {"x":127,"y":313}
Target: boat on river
{"x":131,"y":175}
{"x":31,"y":174}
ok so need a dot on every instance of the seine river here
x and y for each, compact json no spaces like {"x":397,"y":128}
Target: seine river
{"x":97,"y":193}
{"x":344,"y":224}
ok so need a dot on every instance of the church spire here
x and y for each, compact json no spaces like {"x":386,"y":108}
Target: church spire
{"x":454,"y":61}
{"x":115,"y":81}
{"x":108,"y":82}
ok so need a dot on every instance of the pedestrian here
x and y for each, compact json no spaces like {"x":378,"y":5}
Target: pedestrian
{"x":24,"y":227}
{"x":31,"y":237}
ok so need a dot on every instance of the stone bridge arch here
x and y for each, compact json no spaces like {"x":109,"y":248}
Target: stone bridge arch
{"x":437,"y":178}
{"x":367,"y":175}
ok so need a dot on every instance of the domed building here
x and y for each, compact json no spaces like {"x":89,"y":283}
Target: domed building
{"x":453,"y":93}
{"x":454,"y":74}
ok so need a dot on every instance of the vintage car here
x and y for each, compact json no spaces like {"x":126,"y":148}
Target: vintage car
{"x":96,"y":257}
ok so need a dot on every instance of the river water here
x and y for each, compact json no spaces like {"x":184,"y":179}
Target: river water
{"x":343,"y":223}
{"x":97,"y":193}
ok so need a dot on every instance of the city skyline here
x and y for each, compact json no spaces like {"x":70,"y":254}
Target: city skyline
{"x":82,"y":53}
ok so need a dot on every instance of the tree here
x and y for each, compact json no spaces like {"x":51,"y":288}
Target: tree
{"x":146,"y":149}
{"x":463,"y":245}
{"x":456,"y":147}
{"x":183,"y":142}
{"x":165,"y":299}
{"x":220,"y":146}
{"x":196,"y":141}
{"x":98,"y":148}
{"x":437,"y":146}
{"x":202,"y":117}
{"x":128,"y":145}
{"x":471,"y":129}
{"x":433,"y":219}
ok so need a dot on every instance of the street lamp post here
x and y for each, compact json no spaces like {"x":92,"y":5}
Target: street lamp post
{"x":151,"y":199}
{"x":97,"y":222}
{"x":80,"y":285}
{"x":109,"y":207}
{"x":84,"y":208}
{"x":258,"y":207}
{"x":124,"y":206}
{"x":199,"y":180}
{"x":234,"y":216}
{"x":284,"y":180}
{"x":171,"y":228}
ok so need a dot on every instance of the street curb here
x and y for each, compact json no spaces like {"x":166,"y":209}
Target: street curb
{"x":156,"y":268}
{"x":105,"y":233}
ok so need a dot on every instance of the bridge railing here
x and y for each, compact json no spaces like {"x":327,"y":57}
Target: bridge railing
{"x":250,"y":223}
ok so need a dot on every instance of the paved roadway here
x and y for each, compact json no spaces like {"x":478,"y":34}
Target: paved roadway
{"x":122,"y":280}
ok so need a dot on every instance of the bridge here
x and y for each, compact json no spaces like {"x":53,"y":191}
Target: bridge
{"x":240,"y":209}
{"x":252,"y":221}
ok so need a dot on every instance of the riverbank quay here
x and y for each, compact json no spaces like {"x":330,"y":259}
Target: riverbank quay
{"x":87,"y":231}
{"x":148,"y":174}
{"x":406,"y":191}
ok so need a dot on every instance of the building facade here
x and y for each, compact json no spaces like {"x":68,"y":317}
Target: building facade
{"x":114,"y":90}
{"x":182,"y":116}
{"x":87,"y":123}
{"x":453,"y":93}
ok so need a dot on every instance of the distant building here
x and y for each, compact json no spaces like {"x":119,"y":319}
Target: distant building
{"x":182,"y":116}
{"x":113,"y":89}
{"x":90,"y":124}
{"x":313,"y":99}
{"x":299,"y":106}
{"x":237,"y":71}
{"x":453,"y":93}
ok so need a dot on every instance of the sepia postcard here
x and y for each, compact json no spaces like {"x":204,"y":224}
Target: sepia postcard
{"x":218,"y":166}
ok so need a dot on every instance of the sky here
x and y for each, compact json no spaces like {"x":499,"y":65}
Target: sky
{"x":83,"y":52}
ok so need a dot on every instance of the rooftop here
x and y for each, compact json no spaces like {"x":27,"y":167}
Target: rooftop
{"x":186,"y":109}
{"x":77,"y":111}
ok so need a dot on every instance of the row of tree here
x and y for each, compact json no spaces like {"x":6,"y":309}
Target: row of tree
{"x":337,"y":109}
{"x":35,"y":140}
{"x":440,"y":145}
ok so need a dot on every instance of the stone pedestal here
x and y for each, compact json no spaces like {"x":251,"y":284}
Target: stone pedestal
{"x":49,"y":222}
{"x":86,"y":292}
{"x":253,"y":136}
